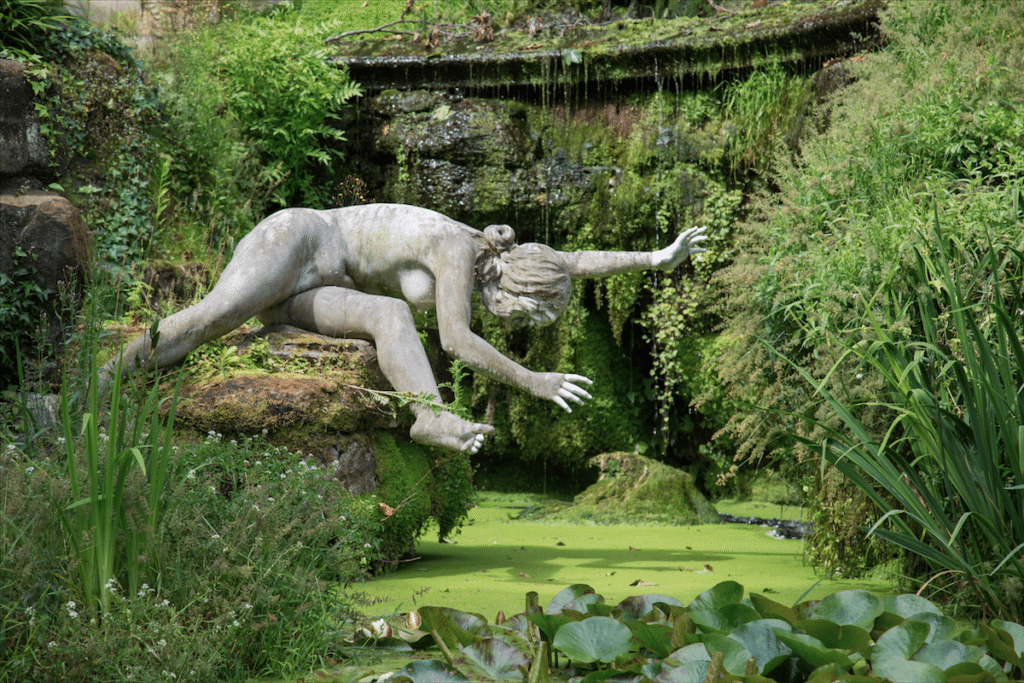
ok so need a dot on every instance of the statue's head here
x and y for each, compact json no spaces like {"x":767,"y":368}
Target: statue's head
{"x":527,"y":283}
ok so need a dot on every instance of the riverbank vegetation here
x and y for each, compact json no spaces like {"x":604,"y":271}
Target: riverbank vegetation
{"x":856,"y":329}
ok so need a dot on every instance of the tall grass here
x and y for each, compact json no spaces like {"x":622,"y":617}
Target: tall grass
{"x":947,"y":476}
{"x":107,"y":550}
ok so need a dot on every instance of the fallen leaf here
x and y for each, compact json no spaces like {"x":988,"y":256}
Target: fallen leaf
{"x":641,"y":582}
{"x":386,"y":509}
{"x":636,"y":549}
{"x":708,"y":567}
{"x":524,"y":575}
{"x":559,"y":543}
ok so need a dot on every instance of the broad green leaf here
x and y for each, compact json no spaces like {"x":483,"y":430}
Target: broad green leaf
{"x":735,"y":654}
{"x":455,"y":627}
{"x":908,"y":605}
{"x":993,"y":667}
{"x":885,"y":621}
{"x":1015,"y":631}
{"x":595,"y":639}
{"x":550,"y":623}
{"x":759,"y":639}
{"x":1000,"y":644}
{"x":575,"y":597}
{"x":971,"y":636}
{"x":655,"y":638}
{"x":942,"y":627}
{"x":637,"y":606}
{"x":714,"y":598}
{"x":850,"y":637}
{"x":687,"y":672}
{"x":903,"y":671}
{"x":856,"y":607}
{"x":725,"y":619}
{"x":426,"y":671}
{"x":813,"y":651}
{"x":968,"y":672}
{"x":898,"y":644}
{"x":492,"y":660}
{"x":769,"y":609}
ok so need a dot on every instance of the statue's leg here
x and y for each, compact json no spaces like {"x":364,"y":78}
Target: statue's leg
{"x":341,"y":312}
{"x":262,"y":273}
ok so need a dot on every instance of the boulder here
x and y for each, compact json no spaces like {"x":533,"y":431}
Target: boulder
{"x":304,"y":391}
{"x":23,"y":150}
{"x":633,"y":489}
{"x":44,"y":234}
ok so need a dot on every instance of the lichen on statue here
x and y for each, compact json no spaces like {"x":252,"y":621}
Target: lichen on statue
{"x":355,"y":272}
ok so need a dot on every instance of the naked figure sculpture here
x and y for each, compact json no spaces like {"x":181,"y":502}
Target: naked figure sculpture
{"x":355,"y":271}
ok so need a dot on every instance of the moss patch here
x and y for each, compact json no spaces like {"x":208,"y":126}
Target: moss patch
{"x":632,"y":489}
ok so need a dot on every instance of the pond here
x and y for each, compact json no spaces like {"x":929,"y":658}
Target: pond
{"x":495,"y":561}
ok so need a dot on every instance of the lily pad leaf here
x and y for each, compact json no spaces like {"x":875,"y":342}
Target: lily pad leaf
{"x":946,"y":653}
{"x":813,"y":651}
{"x":725,"y":619}
{"x":769,"y":609}
{"x":760,"y":640}
{"x":713,"y":599}
{"x":850,"y":637}
{"x":900,"y":644}
{"x":597,"y":639}
{"x":454,"y":627}
{"x":735,"y":656}
{"x":688,"y":672}
{"x":491,"y":660}
{"x":942,"y":627}
{"x":550,"y":623}
{"x":903,"y":671}
{"x":575,"y":597}
{"x":655,"y":638}
{"x":857,"y":607}
{"x":637,"y":606}
{"x":426,"y":671}
{"x":909,"y":605}
{"x":1015,"y":631}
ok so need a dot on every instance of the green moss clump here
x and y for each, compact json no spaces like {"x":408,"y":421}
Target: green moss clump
{"x":633,"y":489}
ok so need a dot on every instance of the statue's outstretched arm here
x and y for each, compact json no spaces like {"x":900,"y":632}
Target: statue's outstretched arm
{"x":584,"y":264}
{"x":453,"y":289}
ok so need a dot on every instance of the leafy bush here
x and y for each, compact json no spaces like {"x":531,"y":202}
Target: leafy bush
{"x":720,"y":635}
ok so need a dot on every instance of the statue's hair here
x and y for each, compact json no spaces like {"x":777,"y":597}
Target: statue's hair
{"x":513,"y":277}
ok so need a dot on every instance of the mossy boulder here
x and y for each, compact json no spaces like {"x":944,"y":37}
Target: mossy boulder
{"x":633,"y":489}
{"x":327,"y":397}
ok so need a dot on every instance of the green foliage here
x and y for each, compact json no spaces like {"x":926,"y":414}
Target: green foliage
{"x":22,"y":302}
{"x":25,"y":24}
{"x":951,"y":457}
{"x":720,"y":635}
{"x":853,"y":208}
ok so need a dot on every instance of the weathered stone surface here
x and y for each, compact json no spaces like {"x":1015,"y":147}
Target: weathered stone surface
{"x":50,"y":231}
{"x":323,"y":409}
{"x":50,"y":227}
{"x":23,"y":151}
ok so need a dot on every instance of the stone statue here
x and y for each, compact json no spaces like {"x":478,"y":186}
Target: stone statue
{"x":344,"y":272}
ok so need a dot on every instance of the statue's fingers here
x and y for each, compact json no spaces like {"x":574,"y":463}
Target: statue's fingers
{"x":577,"y":379}
{"x":573,"y":392}
{"x":561,"y":401}
{"x":565,"y":392}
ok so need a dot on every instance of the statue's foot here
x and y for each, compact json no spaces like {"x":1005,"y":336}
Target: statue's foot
{"x":449,"y":431}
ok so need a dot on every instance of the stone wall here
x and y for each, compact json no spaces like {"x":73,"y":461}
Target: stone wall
{"x":149,"y":20}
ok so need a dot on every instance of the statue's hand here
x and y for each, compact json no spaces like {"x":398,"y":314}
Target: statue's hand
{"x":559,"y":387}
{"x":671,"y":256}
